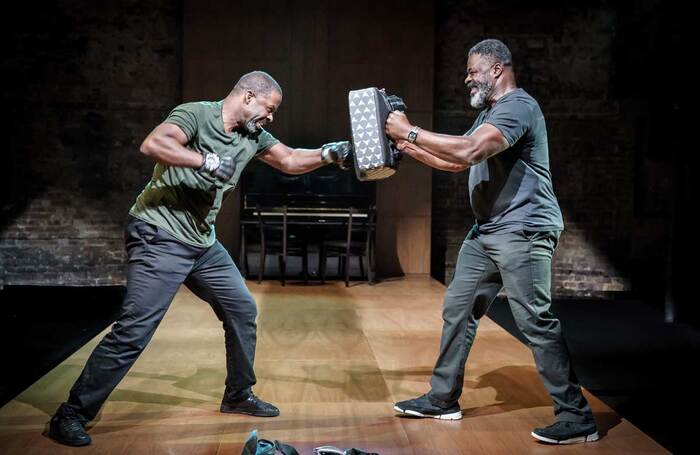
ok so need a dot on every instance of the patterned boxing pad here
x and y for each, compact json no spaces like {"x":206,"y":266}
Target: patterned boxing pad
{"x":375,"y":155}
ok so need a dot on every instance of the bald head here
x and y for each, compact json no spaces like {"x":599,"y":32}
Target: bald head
{"x":258,"y":82}
{"x":252,"y":103}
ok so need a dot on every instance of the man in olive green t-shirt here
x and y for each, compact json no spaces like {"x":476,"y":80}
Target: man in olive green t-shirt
{"x":200,"y":151}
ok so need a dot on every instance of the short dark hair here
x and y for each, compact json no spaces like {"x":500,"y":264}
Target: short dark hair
{"x":494,"y":50}
{"x":258,"y":82}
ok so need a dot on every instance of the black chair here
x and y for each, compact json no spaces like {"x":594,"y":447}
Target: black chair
{"x":275,"y":239}
{"x":358,"y":242}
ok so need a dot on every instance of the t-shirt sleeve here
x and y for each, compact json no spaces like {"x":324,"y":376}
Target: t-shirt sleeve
{"x":265,"y":140}
{"x":185,"y":117}
{"x":513,"y":118}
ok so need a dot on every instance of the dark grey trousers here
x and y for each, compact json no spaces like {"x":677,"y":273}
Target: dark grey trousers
{"x":521,"y":263}
{"x":158,"y":265}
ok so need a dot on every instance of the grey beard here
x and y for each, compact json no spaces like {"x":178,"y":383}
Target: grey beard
{"x":479,"y":99}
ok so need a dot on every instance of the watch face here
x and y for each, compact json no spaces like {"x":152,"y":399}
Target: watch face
{"x":212,"y":161}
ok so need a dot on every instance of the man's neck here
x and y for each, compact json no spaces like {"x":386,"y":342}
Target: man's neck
{"x":230,"y":115}
{"x":500,"y":92}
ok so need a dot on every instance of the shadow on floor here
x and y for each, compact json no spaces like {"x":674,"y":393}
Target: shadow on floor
{"x":625,"y":354}
{"x":41,"y":326}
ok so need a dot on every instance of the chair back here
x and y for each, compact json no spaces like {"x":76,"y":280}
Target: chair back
{"x":349,"y":235}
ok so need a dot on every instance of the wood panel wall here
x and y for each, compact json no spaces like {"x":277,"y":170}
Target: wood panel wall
{"x":318,"y":51}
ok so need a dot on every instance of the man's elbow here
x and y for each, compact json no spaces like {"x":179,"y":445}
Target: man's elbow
{"x":482,"y":151}
{"x":461,"y":159}
{"x":464,"y":156}
{"x":153,"y":145}
{"x":472,"y":157}
{"x":472,"y":152}
{"x":147,"y":146}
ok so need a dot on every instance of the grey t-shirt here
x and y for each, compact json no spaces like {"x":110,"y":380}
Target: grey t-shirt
{"x":512,"y":190}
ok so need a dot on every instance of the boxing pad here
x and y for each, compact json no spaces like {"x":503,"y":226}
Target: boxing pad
{"x":376,"y":156}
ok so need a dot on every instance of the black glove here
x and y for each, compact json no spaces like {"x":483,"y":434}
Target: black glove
{"x":221,"y":168}
{"x":339,"y":153}
{"x":396,"y":153}
{"x":396,"y":103}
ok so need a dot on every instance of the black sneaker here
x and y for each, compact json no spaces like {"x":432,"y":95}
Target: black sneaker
{"x":567,"y":433}
{"x":422,"y":407}
{"x":68,"y":428}
{"x":251,"y":405}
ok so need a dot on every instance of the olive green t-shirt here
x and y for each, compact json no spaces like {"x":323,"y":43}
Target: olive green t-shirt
{"x":184,"y":202}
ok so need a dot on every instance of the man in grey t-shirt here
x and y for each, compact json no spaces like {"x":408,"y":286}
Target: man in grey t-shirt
{"x":518,"y":222}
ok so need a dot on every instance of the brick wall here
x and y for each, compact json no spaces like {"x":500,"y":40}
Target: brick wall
{"x":585,"y":63}
{"x":84,"y":82}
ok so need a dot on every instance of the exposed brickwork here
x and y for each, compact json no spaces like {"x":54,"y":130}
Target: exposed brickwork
{"x":579,"y":62}
{"x":87,"y":81}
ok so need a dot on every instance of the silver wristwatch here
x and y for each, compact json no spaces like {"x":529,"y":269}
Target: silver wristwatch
{"x":211,"y":162}
{"x":413,"y":134}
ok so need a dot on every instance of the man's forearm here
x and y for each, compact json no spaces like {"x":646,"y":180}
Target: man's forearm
{"x":459,"y":150}
{"x":462,"y":150}
{"x":301,"y":161}
{"x":431,"y":160}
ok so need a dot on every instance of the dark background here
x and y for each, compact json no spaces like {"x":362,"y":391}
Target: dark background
{"x":84,"y":82}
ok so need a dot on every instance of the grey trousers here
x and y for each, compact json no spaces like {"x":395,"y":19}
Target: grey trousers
{"x":521,"y":263}
{"x":158,"y":265}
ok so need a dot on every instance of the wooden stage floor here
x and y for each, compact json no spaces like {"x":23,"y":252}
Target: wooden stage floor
{"x":334,"y":360}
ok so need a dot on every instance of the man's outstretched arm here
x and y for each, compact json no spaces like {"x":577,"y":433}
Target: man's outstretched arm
{"x":428,"y":159}
{"x":300,"y":161}
{"x":469,"y":150}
